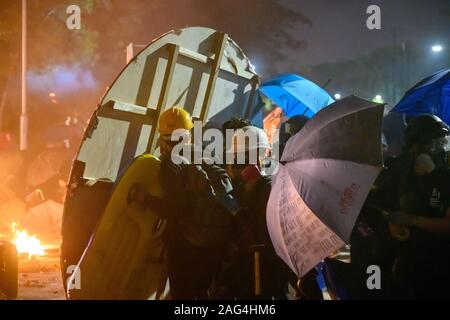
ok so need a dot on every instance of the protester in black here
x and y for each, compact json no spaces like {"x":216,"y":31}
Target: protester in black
{"x":415,"y":191}
{"x":257,"y":271}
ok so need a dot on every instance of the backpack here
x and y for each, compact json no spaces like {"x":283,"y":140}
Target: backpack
{"x":211,"y":206}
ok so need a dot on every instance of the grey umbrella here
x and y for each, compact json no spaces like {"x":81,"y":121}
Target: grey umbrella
{"x":329,"y":168}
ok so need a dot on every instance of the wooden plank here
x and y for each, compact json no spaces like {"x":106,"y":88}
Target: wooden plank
{"x":221,"y":42}
{"x":123,"y":106}
{"x":193,"y":55}
{"x":170,"y":68}
{"x":204,"y":59}
{"x":112,"y":110}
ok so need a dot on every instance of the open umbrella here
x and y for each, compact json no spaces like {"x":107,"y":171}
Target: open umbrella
{"x":296,"y":95}
{"x":45,"y":217}
{"x":431,"y":95}
{"x":45,"y":166}
{"x":329,"y":168}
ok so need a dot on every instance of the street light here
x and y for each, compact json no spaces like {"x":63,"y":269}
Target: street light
{"x":337,"y":96}
{"x":437,"y":48}
{"x":378,"y":99}
{"x":24,"y":109}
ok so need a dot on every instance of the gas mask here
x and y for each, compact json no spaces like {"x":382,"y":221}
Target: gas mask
{"x":433,"y":154}
{"x":437,"y":146}
{"x":424,"y":164}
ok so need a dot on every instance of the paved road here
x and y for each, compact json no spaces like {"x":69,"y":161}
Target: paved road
{"x":40,"y":279}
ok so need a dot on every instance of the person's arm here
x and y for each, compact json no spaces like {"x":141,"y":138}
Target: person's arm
{"x":435,"y":225}
{"x":173,"y":182}
{"x":139,"y":195}
{"x":157,"y":204}
{"x":173,"y":202}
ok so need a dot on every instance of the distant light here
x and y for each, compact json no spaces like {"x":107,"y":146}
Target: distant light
{"x":61,"y":80}
{"x":378,"y":99}
{"x":337,"y":96}
{"x":52,"y":94}
{"x":436,"y":48}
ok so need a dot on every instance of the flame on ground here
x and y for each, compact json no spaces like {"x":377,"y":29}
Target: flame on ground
{"x":25,"y":243}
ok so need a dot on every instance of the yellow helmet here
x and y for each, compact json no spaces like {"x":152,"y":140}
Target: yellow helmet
{"x":174,"y":118}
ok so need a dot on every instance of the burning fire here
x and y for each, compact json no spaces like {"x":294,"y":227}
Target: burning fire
{"x":25,"y":243}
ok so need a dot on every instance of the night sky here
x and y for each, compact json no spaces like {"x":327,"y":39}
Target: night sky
{"x":339,"y":26}
{"x":337,"y":33}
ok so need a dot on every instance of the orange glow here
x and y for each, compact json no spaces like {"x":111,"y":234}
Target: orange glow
{"x":26,"y":244}
{"x":272,"y":122}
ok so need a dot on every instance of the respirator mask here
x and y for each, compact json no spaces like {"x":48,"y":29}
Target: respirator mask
{"x":433,"y":154}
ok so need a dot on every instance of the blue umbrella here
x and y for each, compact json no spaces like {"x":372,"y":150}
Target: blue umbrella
{"x":431,"y":95}
{"x":296,"y":95}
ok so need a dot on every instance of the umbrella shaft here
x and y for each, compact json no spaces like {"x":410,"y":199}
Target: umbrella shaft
{"x":257,"y":273}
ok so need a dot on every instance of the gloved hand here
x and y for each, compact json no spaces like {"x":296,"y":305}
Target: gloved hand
{"x":400,"y":218}
{"x":137,"y":194}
